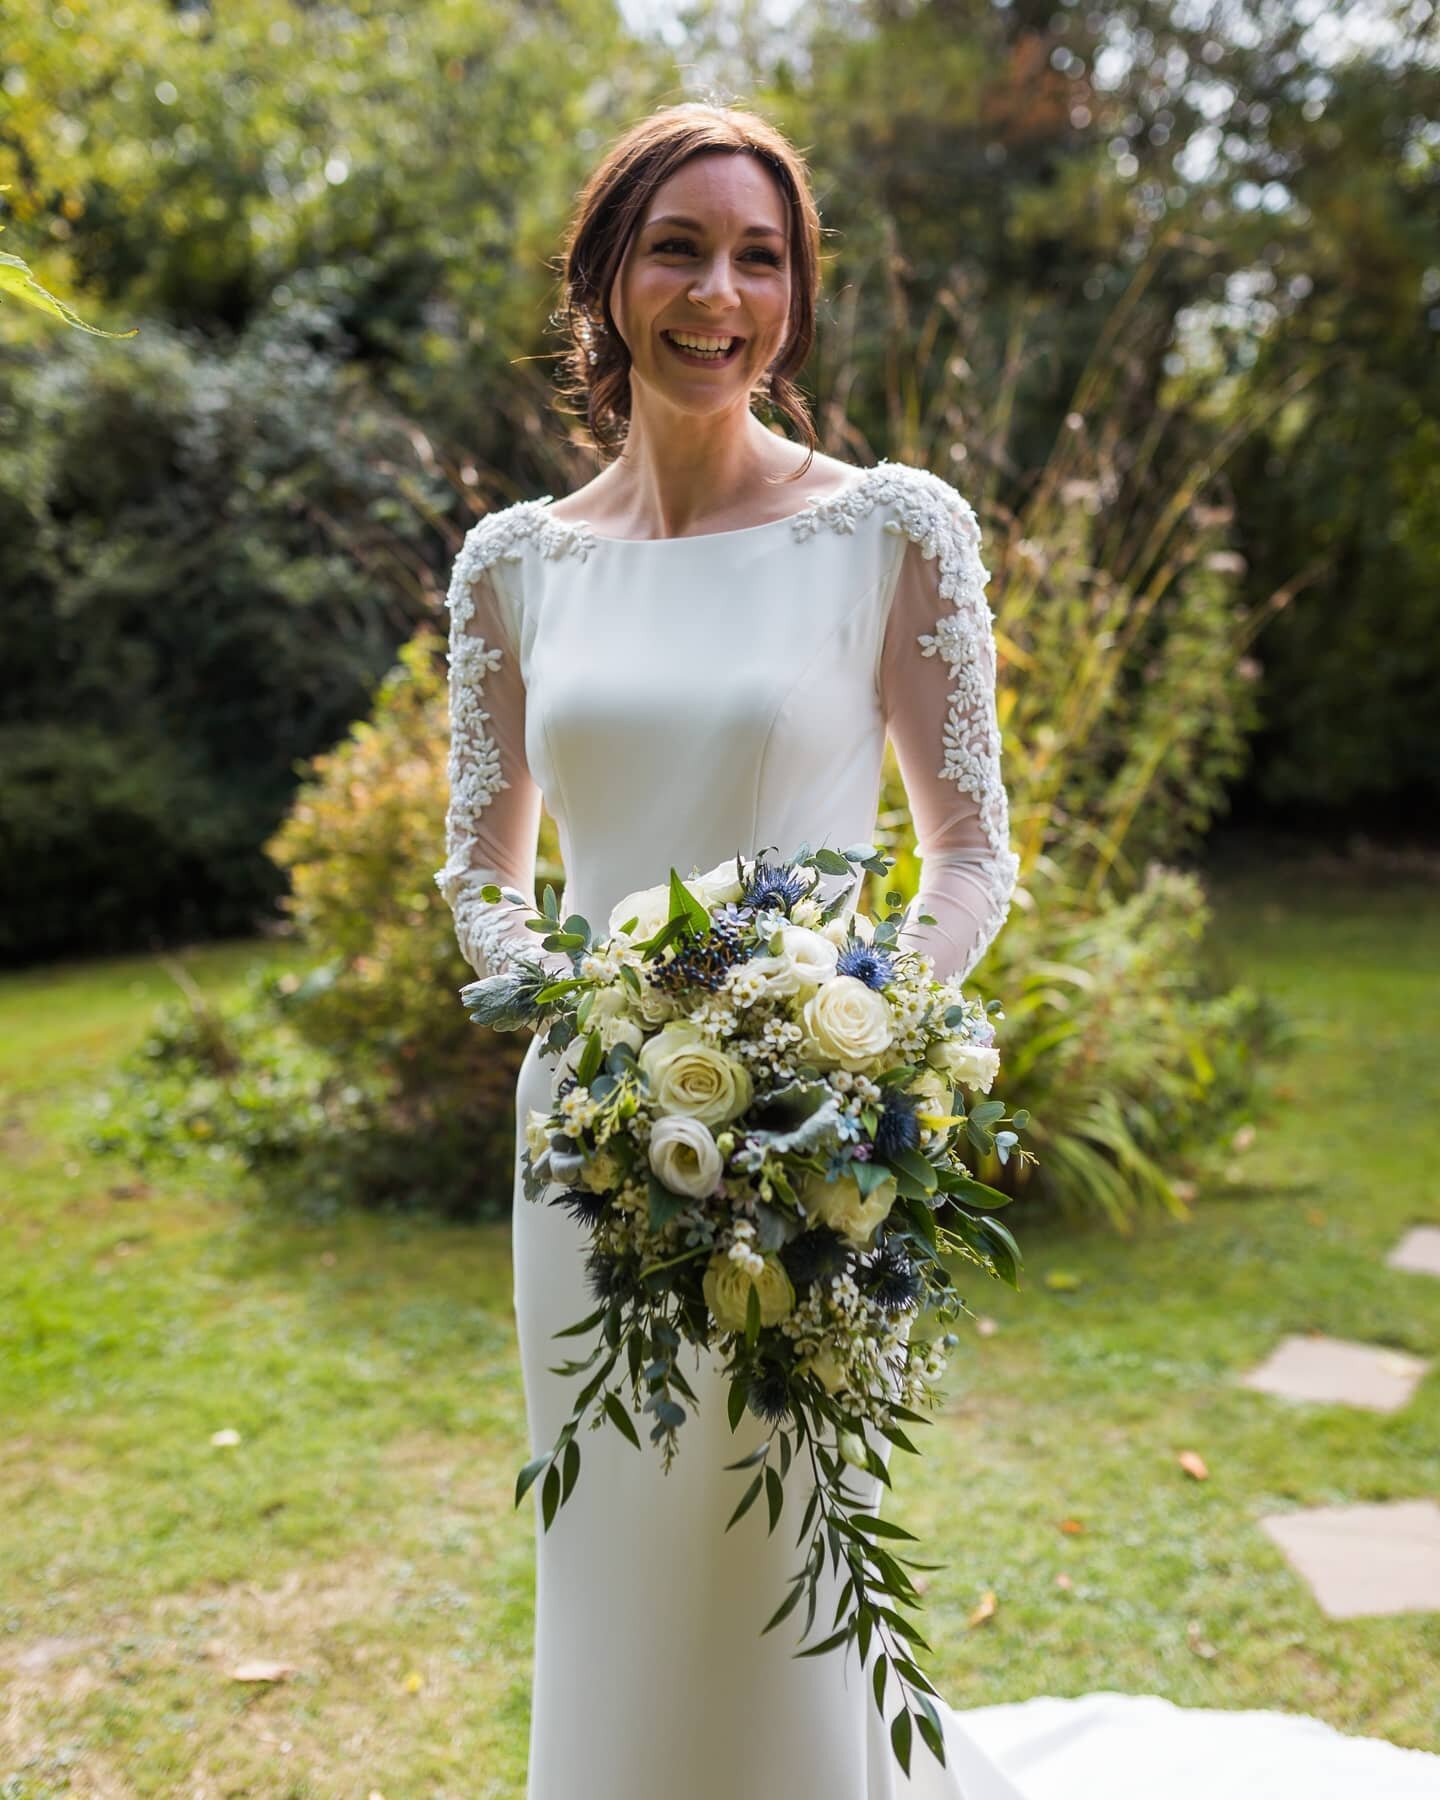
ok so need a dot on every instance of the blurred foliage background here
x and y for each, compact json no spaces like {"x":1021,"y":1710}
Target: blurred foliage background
{"x":1156,"y":285}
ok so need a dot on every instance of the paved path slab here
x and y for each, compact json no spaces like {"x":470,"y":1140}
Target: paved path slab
{"x":1334,"y":1370}
{"x":1361,"y":1561}
{"x":1418,"y":1251}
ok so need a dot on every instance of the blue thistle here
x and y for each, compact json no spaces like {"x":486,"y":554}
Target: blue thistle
{"x":607,"y":1278}
{"x":897,"y":1127}
{"x":584,"y":1207}
{"x":874,"y":967}
{"x":816,"y":1255}
{"x":775,"y":884}
{"x":768,"y":1396}
{"x":891,"y":1278}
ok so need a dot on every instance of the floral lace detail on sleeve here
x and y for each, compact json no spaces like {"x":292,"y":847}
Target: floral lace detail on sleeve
{"x":965,"y":848}
{"x":492,"y":819}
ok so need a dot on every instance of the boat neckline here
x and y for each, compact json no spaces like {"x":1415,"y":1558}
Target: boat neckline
{"x":815,"y":504}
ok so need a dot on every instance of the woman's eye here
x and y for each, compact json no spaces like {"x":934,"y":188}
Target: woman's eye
{"x":670,"y":245}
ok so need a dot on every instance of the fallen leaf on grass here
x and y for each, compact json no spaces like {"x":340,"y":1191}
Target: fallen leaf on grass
{"x":1243,"y":1138}
{"x":1064,"y":1281}
{"x":985,"y":1610}
{"x":226,"y":1436}
{"x":414,"y":1681}
{"x":258,"y":1669}
{"x":1072,"y":1527}
{"x":1063,"y":1581}
{"x":1193,"y":1464}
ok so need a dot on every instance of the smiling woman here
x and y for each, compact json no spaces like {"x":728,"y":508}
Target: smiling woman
{"x":701,"y":654}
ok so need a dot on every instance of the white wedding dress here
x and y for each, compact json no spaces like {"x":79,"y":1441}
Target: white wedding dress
{"x":675,"y":701}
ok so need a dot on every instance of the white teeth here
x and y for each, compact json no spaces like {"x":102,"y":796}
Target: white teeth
{"x":698,"y":346}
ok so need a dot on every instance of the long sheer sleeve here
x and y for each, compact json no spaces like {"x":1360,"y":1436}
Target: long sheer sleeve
{"x":493,"y":819}
{"x":937,"y":688}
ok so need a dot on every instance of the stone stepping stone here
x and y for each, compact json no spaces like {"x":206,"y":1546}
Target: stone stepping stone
{"x":1362,"y":1561}
{"x":1336,"y":1371}
{"x":1418,"y":1251}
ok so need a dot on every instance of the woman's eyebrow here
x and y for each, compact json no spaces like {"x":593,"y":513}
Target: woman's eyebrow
{"x":695,"y":225}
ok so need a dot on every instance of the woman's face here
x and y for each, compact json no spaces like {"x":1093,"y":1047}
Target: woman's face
{"x":709,"y":259}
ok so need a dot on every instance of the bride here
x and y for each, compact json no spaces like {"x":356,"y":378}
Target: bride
{"x":701,"y":651}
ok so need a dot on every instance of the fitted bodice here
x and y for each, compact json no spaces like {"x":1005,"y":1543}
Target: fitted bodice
{"x":689,"y":698}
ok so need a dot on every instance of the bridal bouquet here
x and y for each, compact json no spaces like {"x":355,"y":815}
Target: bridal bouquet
{"x":755,"y":1118}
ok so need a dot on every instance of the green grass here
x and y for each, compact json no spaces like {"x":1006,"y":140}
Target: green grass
{"x":363,"y":1530}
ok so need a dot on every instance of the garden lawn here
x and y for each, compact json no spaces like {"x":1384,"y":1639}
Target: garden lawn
{"x":362,"y":1530}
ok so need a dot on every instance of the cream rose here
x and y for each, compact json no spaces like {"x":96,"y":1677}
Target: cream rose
{"x":847,"y":1023}
{"x":687,"y":1075}
{"x":684,"y":1155}
{"x":840,"y":1205}
{"x":827,"y":1368}
{"x":810,"y":955}
{"x":649,"y":907}
{"x":602,"y":1172}
{"x":972,"y":1065}
{"x":727,"y":1291}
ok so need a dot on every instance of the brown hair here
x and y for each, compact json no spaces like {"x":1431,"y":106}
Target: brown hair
{"x":595,"y":365}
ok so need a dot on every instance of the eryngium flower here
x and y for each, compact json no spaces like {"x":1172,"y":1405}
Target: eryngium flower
{"x":815,"y":1255}
{"x":608,"y":1279}
{"x":775,"y":884}
{"x":768,"y":1396}
{"x":584,"y":1207}
{"x":865,"y":963}
{"x":891,"y":1278}
{"x":897,"y":1127}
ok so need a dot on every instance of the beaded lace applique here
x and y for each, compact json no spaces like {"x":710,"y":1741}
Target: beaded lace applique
{"x":927,"y":510}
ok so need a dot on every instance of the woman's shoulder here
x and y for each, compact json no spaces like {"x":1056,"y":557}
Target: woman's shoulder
{"x":505,"y":533}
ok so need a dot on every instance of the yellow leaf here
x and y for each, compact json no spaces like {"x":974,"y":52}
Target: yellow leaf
{"x":1193,"y":1464}
{"x":985,"y":1610}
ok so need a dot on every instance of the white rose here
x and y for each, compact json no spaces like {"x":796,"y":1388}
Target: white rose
{"x":933,"y":1092}
{"x":972,"y":1065}
{"x":568,"y":1063}
{"x":684,"y":1156}
{"x":840,"y":1205}
{"x":687,"y":1075}
{"x":649,"y":907}
{"x":807,"y":912}
{"x":864,"y":927}
{"x":727,"y":1291}
{"x":654,"y":1005}
{"x":847,"y":1023}
{"x":717,"y":886}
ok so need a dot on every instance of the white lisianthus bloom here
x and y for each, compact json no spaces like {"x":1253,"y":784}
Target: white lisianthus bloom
{"x":812,"y":956}
{"x":807,"y":912}
{"x":537,"y":1133}
{"x":851,"y":1446}
{"x":688,"y":1075}
{"x":840,"y":1205}
{"x":649,"y":907}
{"x":727,"y":1291}
{"x":846,"y":1023}
{"x":972,"y":1065}
{"x":684,"y":1156}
